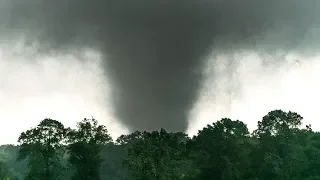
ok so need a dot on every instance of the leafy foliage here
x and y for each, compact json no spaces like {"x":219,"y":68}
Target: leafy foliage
{"x":158,"y":155}
{"x":42,"y":146}
{"x":279,"y":149}
{"x":220,"y":150}
{"x":5,"y":173}
{"x":84,"y":149}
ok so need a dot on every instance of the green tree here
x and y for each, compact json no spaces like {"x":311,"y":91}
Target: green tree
{"x":42,"y":146}
{"x":159,"y":156}
{"x":224,"y":150}
{"x":280,"y":153}
{"x":8,"y":153}
{"x":130,"y":138}
{"x":86,"y":143}
{"x":311,"y":143}
{"x":220,"y":150}
{"x":5,"y":174}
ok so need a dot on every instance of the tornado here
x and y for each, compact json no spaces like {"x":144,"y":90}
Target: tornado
{"x":155,"y":51}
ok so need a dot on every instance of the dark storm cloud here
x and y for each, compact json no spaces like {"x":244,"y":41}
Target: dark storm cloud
{"x":154,"y":49}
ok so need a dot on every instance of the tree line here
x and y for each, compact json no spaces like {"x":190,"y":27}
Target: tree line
{"x":278,"y":149}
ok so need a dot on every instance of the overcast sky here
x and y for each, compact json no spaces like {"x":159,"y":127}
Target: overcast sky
{"x":74,"y":89}
{"x":65,"y":87}
{"x":141,"y":66}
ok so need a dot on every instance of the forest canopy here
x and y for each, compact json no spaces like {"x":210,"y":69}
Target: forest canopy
{"x":280,"y":149}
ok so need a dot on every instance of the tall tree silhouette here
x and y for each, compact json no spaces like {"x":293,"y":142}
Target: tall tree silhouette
{"x":42,"y":146}
{"x":84,"y":149}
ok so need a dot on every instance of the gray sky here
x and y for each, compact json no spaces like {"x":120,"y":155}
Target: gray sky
{"x":145,"y":65}
{"x":65,"y":87}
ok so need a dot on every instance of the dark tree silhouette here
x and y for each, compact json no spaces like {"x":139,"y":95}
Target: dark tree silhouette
{"x":278,"y":149}
{"x":85,"y":147}
{"x":43,"y":146}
